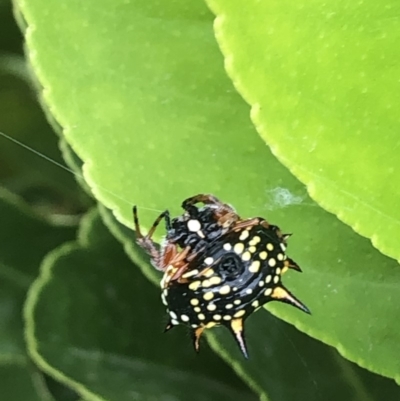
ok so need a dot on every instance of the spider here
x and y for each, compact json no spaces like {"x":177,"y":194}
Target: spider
{"x":218,"y":268}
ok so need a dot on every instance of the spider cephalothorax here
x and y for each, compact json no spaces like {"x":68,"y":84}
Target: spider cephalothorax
{"x":218,"y":268}
{"x":197,"y":227}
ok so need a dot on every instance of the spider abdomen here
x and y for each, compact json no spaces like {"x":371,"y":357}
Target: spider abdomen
{"x":218,"y":268}
{"x":237,"y":274}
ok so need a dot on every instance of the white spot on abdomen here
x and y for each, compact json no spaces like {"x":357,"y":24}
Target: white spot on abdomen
{"x":193,"y":225}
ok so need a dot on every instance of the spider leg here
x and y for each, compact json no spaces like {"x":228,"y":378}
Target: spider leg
{"x":145,"y":241}
{"x":247,"y":223}
{"x":167,"y":219}
{"x":173,"y":263}
{"x":207,"y":200}
{"x":196,"y":334}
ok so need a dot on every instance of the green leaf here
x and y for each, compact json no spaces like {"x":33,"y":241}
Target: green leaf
{"x":145,"y":103}
{"x":19,"y":383}
{"x":10,"y":36}
{"x":288,"y":365}
{"x":50,"y":190}
{"x":96,"y":116}
{"x":58,"y":391}
{"x":24,"y":240}
{"x":323,"y":83}
{"x":284,"y":364}
{"x":95,"y":323}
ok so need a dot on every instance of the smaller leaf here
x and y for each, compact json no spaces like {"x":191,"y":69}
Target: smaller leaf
{"x":10,"y":35}
{"x":24,"y":241}
{"x":19,"y":383}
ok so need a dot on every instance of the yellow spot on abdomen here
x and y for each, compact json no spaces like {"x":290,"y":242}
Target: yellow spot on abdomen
{"x":208,"y":273}
{"x":195,"y":285}
{"x":226,"y":289}
{"x":244,"y":235}
{"x":190,"y":273}
{"x":206,"y":283}
{"x":255,"y":240}
{"x":215,"y":280}
{"x":238,"y":248}
{"x":208,"y":296}
{"x":239,"y":313}
{"x":252,"y":249}
{"x":255,"y":266}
